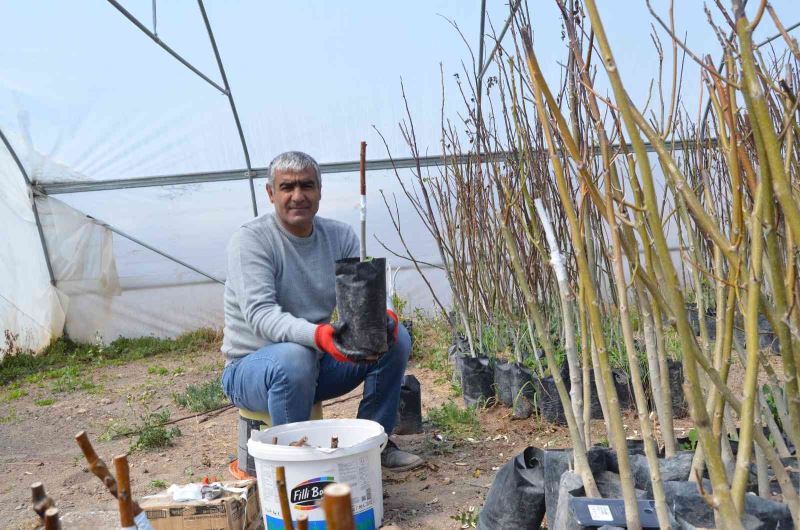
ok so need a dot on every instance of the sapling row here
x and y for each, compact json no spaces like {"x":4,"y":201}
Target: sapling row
{"x":575,"y":221}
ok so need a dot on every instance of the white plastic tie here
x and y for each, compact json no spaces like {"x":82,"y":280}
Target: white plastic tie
{"x":556,"y":260}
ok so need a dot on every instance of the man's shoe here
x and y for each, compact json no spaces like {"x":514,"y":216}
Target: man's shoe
{"x":393,"y":459}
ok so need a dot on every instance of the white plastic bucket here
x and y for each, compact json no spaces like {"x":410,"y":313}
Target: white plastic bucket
{"x":356,"y":462}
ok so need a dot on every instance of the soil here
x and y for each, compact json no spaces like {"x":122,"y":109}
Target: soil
{"x":37,"y":444}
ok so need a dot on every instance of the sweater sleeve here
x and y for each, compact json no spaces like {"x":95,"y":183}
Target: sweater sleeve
{"x":252,"y":272}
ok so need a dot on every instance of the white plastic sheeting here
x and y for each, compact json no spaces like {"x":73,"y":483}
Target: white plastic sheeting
{"x":32,"y":311}
{"x":88,"y":97}
{"x":85,"y":96}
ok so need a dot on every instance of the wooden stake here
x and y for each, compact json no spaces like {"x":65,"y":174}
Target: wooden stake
{"x":99,"y":468}
{"x":338,"y":507}
{"x":283,"y":497}
{"x":41,"y":501}
{"x":302,"y":522}
{"x":51,"y":519}
{"x":363,"y":205}
{"x":124,"y":491}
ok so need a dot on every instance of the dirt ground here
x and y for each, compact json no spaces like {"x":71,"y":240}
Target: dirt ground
{"x":37,"y":444}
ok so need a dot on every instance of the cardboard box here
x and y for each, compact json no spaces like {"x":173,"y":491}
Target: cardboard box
{"x":229,"y":512}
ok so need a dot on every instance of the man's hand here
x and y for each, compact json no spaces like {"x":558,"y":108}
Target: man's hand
{"x":392,"y":327}
{"x":323,"y":337}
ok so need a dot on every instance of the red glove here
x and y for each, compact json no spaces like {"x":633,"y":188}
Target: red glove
{"x":323,"y":337}
{"x":393,"y":326}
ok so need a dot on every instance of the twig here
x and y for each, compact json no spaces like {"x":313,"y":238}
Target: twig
{"x":218,"y":412}
{"x":210,"y":414}
{"x":99,"y":467}
{"x":343,"y":400}
{"x":283,"y":496}
{"x":299,"y":443}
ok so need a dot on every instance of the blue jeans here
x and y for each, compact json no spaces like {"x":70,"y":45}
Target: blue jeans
{"x":286,"y":379}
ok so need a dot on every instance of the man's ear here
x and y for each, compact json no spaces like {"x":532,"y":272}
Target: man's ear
{"x":269,"y":193}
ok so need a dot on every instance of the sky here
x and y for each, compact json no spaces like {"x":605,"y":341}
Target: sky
{"x":85,"y":95}
{"x":97,"y":95}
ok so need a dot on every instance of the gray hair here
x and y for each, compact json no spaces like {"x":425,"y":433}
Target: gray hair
{"x":293,"y":162}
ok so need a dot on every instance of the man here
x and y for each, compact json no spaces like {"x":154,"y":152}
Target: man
{"x":279,"y":297}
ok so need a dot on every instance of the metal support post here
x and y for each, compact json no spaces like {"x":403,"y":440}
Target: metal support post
{"x":161,"y":43}
{"x":33,"y":193}
{"x":233,"y":107}
{"x":154,"y":249}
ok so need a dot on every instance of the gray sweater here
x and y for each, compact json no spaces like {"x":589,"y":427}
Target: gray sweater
{"x":280,"y":286}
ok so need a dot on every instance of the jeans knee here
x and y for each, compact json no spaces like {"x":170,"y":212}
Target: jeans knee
{"x":404,"y":340}
{"x":401,"y":350}
{"x":296,"y":364}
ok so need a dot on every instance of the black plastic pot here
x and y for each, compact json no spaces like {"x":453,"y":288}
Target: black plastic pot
{"x":361,"y":301}
{"x":680,"y":409}
{"x":547,"y":400}
{"x":694,"y":320}
{"x":477,"y":379}
{"x":559,"y":461}
{"x":516,"y":498}
{"x":502,"y":383}
{"x":522,"y":391}
{"x":549,"y":403}
{"x":622,"y":383}
{"x":691,"y":510}
{"x":457,"y":351}
{"x":409,"y":412}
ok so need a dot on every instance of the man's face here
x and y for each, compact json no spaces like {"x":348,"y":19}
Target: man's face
{"x":296,"y":198}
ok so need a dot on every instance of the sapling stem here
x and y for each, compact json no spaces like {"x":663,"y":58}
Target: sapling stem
{"x":557,"y":262}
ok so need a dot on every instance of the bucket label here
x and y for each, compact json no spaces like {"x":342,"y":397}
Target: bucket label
{"x":356,"y":474}
{"x":363,"y":521}
{"x":305,"y":495}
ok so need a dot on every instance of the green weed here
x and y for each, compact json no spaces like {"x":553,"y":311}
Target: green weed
{"x":45,"y":402}
{"x":399,"y":303}
{"x":115,"y":429}
{"x":691,"y":444}
{"x":213,"y":367}
{"x":203,"y":397}
{"x":64,"y":352}
{"x":14,"y":394}
{"x":455,"y":422}
{"x":8,"y":418}
{"x":468,"y":518}
{"x":153,"y":434}
{"x":157,"y":370}
{"x":158,"y":484}
{"x":769,"y":397}
{"x":71,"y":379}
{"x":672,"y":344}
